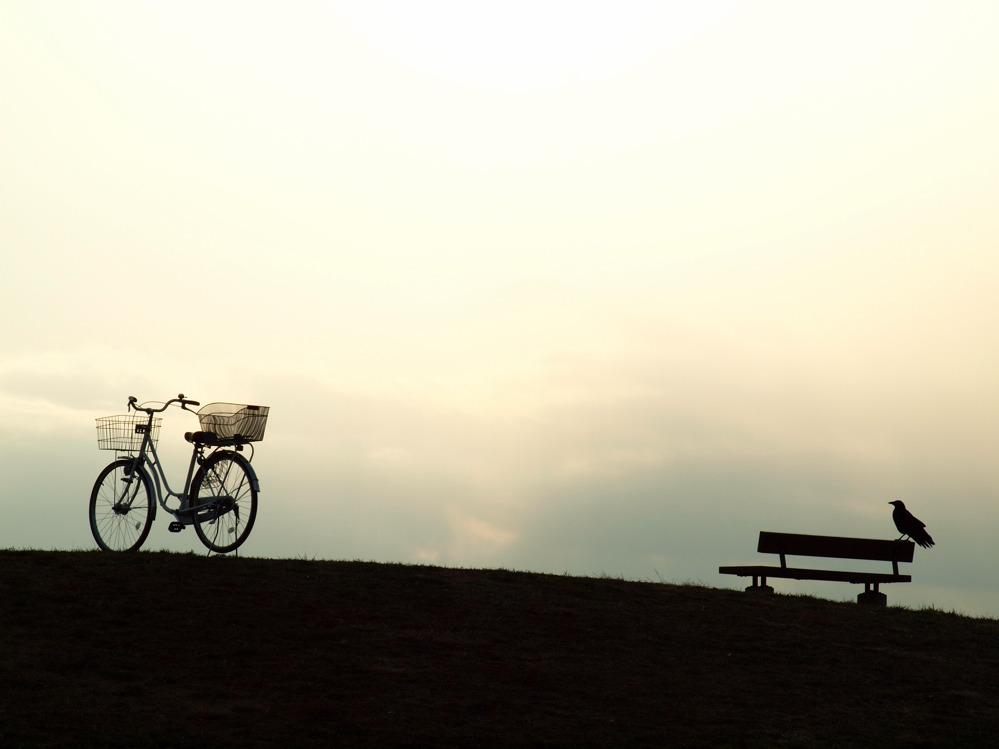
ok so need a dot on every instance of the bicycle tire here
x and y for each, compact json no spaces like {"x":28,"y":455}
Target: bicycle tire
{"x":122,"y":507}
{"x":227,"y":487}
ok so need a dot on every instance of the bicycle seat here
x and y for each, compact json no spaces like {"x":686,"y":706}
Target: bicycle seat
{"x":204,"y":438}
{"x":213,"y":440}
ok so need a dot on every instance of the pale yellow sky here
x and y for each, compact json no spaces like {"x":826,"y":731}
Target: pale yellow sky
{"x":526,"y":247}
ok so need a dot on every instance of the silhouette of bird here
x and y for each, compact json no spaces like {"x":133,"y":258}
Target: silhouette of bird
{"x":909,"y":525}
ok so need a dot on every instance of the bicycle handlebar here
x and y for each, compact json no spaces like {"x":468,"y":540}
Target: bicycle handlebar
{"x":184,"y":403}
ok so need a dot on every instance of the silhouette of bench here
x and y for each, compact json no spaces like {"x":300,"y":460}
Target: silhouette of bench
{"x":835,"y":547}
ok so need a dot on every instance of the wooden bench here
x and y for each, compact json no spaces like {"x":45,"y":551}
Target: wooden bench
{"x":797,"y":544}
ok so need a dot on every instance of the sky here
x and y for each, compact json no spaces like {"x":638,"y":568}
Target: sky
{"x":597,"y":288}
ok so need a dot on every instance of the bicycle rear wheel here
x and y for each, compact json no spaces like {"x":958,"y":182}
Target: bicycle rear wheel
{"x":224,"y":501}
{"x":121,"y":507}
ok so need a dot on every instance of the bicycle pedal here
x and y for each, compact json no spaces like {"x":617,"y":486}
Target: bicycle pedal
{"x":176,"y":527}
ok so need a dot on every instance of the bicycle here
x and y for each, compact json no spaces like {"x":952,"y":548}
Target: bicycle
{"x":219,"y":500}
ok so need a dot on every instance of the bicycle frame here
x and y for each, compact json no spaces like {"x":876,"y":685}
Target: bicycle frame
{"x":147,"y":455}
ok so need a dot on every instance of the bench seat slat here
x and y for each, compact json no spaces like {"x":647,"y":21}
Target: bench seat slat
{"x":799,"y":573}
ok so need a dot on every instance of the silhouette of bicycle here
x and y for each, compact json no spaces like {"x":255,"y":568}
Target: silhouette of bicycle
{"x":219,"y":498}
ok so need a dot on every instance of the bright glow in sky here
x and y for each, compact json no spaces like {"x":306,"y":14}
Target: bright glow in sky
{"x":586,"y":287}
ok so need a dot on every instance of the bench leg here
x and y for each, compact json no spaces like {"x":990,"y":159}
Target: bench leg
{"x":872,"y":597}
{"x":758,"y":587}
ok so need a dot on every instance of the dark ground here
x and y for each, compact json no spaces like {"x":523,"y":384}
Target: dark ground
{"x":176,"y":650}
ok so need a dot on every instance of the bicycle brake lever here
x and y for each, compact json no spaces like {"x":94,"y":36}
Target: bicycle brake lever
{"x":184,"y":403}
{"x":131,"y":402}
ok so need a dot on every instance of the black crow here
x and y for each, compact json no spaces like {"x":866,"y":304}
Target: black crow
{"x":909,"y":525}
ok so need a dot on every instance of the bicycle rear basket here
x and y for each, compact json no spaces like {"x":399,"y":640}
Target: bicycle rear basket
{"x":125,"y":433}
{"x":234,"y":421}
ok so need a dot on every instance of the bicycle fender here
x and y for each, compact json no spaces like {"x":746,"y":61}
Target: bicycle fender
{"x":143,"y":473}
{"x":247,"y":467}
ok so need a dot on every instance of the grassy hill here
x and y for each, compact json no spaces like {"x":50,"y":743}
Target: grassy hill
{"x":176,"y":650}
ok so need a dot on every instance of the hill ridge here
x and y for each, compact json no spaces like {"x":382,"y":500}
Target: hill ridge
{"x":169,"y":649}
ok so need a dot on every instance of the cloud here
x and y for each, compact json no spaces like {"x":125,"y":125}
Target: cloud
{"x":618,"y":465}
{"x":656,"y":462}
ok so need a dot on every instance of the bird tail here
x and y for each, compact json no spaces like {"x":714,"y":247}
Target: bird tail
{"x":923,"y":539}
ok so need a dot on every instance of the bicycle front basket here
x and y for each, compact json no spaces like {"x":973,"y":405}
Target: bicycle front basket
{"x":124,"y":433}
{"x":234,"y":421}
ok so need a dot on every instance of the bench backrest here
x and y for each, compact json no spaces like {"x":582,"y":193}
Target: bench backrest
{"x":798,"y":544}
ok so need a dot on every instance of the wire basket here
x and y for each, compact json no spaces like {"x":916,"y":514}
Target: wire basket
{"x":125,"y":433}
{"x":234,"y":421}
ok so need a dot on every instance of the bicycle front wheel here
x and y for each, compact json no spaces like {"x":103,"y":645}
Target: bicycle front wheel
{"x":224,"y":501}
{"x":121,"y":507}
